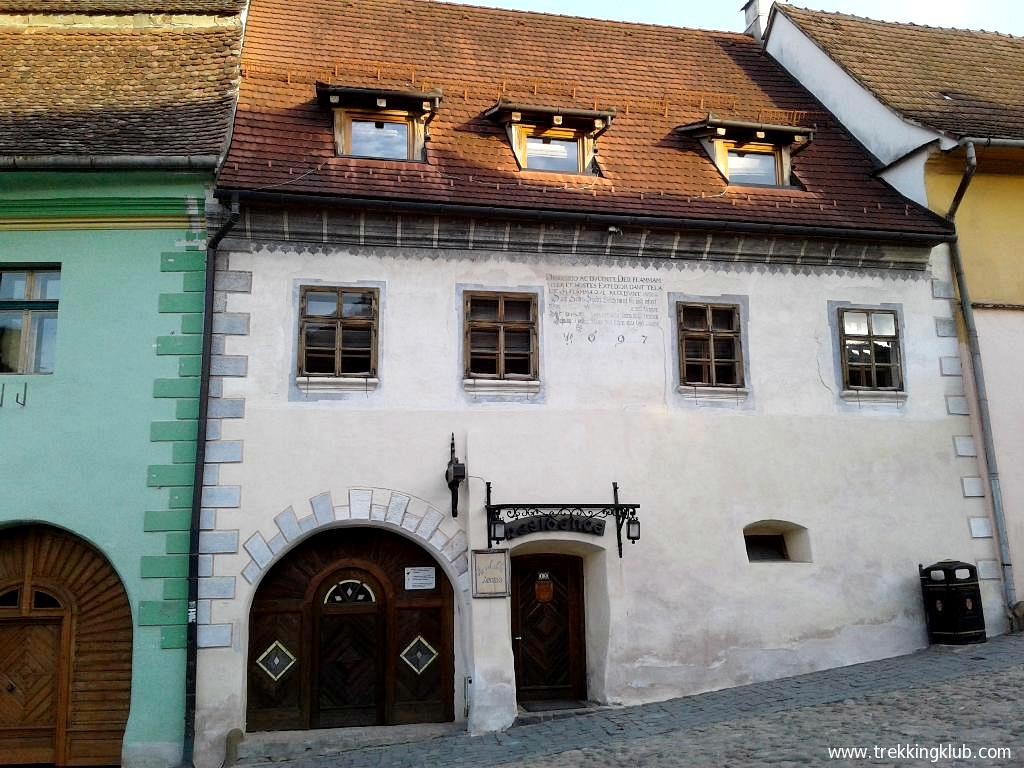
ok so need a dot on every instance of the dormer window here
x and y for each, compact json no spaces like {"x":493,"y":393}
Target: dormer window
{"x":750,"y":154}
{"x":380,"y":124}
{"x":754,"y":164}
{"x":551,"y":139}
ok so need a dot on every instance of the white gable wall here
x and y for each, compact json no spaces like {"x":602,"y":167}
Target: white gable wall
{"x":882,"y":131}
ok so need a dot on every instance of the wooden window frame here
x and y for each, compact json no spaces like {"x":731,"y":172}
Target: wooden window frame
{"x":781,"y":177}
{"x":710,"y":335}
{"x":501,"y":325}
{"x":29,"y":307}
{"x":340,"y":322}
{"x":870,"y":337}
{"x":343,"y":119}
{"x":585,"y":153}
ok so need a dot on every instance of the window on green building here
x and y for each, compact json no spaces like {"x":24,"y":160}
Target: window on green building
{"x":28,"y":320}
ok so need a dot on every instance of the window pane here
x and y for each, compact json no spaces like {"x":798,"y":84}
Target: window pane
{"x":883,"y":323}
{"x":484,"y":365}
{"x":319,"y":361}
{"x":695,"y":318}
{"x":483,"y":309}
{"x":517,"y":341}
{"x":10,"y":341}
{"x":9,"y":599}
{"x":752,"y":168}
{"x":766,"y":547}
{"x":723,"y":319}
{"x":44,"y":335}
{"x":355,"y":362}
{"x":858,"y":352}
{"x":483,"y":341}
{"x":859,"y":377}
{"x":517,"y":365}
{"x":855,"y":322}
{"x":357,"y":305}
{"x":321,"y":336}
{"x":517,"y":311}
{"x":697,"y":349}
{"x":355,"y":339}
{"x":695,"y":373}
{"x":725,"y":349}
{"x":321,"y":304}
{"x":552,"y":154}
{"x":725,"y":375}
{"x":47,"y":286}
{"x":885,"y":377}
{"x":884,"y":352}
{"x":380,"y":139}
{"x":12,"y":286}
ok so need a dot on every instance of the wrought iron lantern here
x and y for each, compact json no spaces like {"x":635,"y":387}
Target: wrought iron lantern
{"x":633,"y":528}
{"x":454,"y":476}
{"x":495,"y":526}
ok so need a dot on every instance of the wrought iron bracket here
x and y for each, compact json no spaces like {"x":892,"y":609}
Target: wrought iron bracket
{"x":504,"y":514}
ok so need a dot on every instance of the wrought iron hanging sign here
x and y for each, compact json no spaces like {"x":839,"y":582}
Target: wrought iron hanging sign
{"x":509,"y":521}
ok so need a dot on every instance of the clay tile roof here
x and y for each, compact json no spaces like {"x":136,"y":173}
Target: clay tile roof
{"x":117,"y":91}
{"x":123,"y":6}
{"x":655,"y":77}
{"x":962,"y":82}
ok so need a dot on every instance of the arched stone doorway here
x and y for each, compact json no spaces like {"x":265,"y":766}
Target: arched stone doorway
{"x":65,"y":650}
{"x":353,"y":627}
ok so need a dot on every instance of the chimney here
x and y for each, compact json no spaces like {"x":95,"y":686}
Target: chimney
{"x":756,"y":17}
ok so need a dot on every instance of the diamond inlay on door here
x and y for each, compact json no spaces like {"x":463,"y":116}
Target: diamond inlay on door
{"x":419,"y":655}
{"x":276,"y":661}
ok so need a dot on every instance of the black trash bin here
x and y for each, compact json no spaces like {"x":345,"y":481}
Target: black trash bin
{"x":952,"y":603}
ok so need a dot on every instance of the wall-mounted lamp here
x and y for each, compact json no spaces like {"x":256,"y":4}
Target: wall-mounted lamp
{"x":633,"y":528}
{"x":454,"y":476}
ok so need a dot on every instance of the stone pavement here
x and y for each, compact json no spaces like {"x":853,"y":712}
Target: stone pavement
{"x":971,"y":695}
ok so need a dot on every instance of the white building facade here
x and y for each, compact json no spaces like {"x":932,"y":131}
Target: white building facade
{"x":697,"y":349}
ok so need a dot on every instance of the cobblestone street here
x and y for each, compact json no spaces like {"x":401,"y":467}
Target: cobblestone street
{"x":971,"y":696}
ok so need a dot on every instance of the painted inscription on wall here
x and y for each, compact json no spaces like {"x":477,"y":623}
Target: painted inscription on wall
{"x":619,"y":308}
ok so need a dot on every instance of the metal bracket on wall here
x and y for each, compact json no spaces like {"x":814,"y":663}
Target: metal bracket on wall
{"x":20,"y":400}
{"x":577,"y":518}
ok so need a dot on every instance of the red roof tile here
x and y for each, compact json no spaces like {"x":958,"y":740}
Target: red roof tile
{"x":656,"y":77}
{"x":960,"y":81}
{"x":123,"y":6}
{"x":117,"y":91}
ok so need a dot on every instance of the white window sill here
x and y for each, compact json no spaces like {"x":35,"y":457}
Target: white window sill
{"x":713,"y":394}
{"x":873,"y":396}
{"x":501,"y":386}
{"x":325,"y":384}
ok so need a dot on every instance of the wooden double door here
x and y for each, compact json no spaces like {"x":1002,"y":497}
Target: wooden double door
{"x":548,"y":640}
{"x":341,"y":635}
{"x":65,"y":651}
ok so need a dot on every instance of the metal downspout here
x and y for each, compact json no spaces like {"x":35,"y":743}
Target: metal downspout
{"x":192,"y":628}
{"x":1009,"y":591}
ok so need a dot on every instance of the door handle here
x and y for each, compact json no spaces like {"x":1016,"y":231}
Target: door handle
{"x":517,"y":637}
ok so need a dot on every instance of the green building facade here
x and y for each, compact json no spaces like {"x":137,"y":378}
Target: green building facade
{"x":102,"y":284}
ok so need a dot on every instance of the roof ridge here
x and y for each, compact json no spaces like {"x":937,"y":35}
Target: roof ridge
{"x":908,"y":24}
{"x":473,"y":6}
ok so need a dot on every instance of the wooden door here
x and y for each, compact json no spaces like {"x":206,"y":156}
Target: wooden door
{"x":349,"y":668}
{"x":29,"y":688}
{"x":65,"y":651}
{"x":547,"y":627}
{"x":336,"y":639}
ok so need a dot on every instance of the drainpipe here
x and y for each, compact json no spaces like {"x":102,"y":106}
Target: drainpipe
{"x":973,"y":345}
{"x":192,"y":629}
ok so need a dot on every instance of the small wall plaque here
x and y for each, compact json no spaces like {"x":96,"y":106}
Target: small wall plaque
{"x":490,"y":573}
{"x":423,"y":577}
